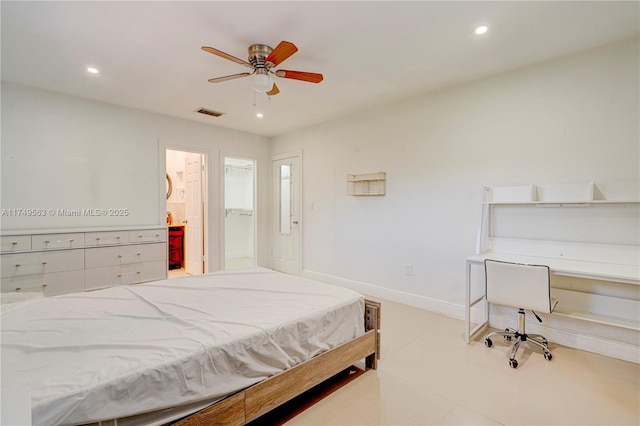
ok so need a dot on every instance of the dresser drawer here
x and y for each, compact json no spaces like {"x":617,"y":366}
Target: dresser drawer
{"x":124,"y":274}
{"x":49,"y":284}
{"x":41,"y":262}
{"x":106,"y":238}
{"x":123,"y":255}
{"x":57,"y":241}
{"x":9,"y":243}
{"x":148,"y":235}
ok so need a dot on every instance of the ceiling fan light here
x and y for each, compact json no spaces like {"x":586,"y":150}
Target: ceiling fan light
{"x":262,"y":82}
{"x":482,"y":29}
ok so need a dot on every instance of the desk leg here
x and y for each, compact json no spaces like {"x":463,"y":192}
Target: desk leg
{"x":468,"y":331}
{"x":467,"y":304}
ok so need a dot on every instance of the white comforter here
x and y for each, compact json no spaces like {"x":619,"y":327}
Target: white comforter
{"x":132,"y":349}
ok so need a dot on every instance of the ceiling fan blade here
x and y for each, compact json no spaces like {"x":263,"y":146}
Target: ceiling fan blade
{"x":282,"y":51}
{"x":229,"y":77}
{"x":273,"y":91}
{"x":299,"y":75}
{"x":226,"y":56}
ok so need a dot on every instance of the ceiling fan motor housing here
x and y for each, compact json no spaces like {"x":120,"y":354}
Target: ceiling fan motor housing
{"x":257,"y":55}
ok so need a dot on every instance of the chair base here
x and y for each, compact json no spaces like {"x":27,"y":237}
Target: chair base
{"x":519,"y":336}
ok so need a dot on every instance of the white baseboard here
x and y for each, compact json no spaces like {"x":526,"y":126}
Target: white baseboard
{"x":238,"y":255}
{"x":422,"y":302}
{"x":596,"y":344}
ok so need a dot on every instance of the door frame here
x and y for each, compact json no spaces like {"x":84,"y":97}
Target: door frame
{"x":278,"y":157}
{"x":221,"y":215}
{"x":209,"y":222}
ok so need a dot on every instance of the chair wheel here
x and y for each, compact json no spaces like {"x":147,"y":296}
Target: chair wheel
{"x":548,"y":356}
{"x":513,"y":363}
{"x":488,"y":343}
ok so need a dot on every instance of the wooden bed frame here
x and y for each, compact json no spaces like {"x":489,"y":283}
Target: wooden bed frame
{"x":249,"y":404}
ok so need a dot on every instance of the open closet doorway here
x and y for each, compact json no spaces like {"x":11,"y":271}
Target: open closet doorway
{"x":239,"y":212}
{"x":186,"y":201}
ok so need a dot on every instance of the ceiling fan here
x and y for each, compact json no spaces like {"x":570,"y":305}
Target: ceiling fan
{"x":262,"y":59}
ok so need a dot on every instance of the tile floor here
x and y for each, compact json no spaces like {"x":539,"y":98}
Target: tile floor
{"x":429,"y":376}
{"x":175,"y":273}
{"x":238,"y":262}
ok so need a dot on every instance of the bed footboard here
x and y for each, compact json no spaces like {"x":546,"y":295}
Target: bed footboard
{"x":372,"y":322}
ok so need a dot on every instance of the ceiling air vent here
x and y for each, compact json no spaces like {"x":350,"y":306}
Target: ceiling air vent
{"x":209,"y":112}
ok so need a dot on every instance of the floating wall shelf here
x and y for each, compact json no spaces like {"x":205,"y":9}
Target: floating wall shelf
{"x":367,"y":184}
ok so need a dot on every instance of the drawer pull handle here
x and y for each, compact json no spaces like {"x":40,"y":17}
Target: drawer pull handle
{"x":138,"y":254}
{"x":139,"y":236}
{"x":47,"y":241}
{"x":119,"y":275}
{"x":45,"y":285}
{"x":97,"y":238}
{"x":18,"y":288}
{"x":157,"y":235}
{"x":44,"y":263}
{"x":14,"y":243}
{"x":70,"y":240}
{"x":119,"y":256}
{"x":138,"y":272}
{"x":17,"y":265}
{"x":118,"y":237}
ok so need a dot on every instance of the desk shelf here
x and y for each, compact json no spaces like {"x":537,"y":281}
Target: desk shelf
{"x":560,"y":194}
{"x":597,"y":308}
{"x":600,"y":319}
{"x":559,"y":203}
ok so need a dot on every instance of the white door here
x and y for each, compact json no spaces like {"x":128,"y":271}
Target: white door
{"x":286,"y":225}
{"x":194,"y":239}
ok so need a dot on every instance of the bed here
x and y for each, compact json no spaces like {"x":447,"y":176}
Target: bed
{"x":220,"y":348}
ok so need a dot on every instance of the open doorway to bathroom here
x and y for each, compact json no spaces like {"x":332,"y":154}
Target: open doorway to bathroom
{"x":186,"y":201}
{"x":239,"y":212}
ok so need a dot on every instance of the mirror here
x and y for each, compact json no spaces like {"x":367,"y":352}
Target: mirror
{"x":285,"y":199}
{"x":169,"y":186}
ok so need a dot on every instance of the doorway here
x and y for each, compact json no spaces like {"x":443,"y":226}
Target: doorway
{"x":186,"y":201}
{"x":239,"y":212}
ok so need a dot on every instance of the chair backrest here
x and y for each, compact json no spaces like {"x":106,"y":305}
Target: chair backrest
{"x":518,"y":285}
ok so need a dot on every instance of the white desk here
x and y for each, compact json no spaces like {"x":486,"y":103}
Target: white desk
{"x":627,"y":274}
{"x":588,"y":234}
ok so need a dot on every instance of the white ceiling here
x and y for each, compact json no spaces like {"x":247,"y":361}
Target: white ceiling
{"x":371,"y":53}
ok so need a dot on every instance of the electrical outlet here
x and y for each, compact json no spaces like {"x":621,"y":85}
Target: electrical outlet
{"x":408,"y":270}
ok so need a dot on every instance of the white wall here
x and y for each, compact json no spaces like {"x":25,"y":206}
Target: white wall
{"x":64,"y":152}
{"x":574,"y":119}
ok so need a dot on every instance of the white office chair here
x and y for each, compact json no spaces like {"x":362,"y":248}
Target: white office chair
{"x":523,"y":287}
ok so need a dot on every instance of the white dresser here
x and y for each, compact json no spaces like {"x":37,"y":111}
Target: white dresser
{"x":57,"y":262}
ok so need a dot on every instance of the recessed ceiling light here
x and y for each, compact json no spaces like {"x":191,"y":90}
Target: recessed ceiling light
{"x":93,"y":70}
{"x":482,"y":29}
{"x":259,"y":115}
